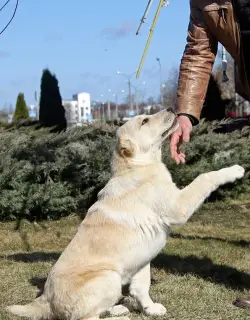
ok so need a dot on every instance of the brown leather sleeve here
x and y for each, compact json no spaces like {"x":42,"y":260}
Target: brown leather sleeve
{"x":196,"y":66}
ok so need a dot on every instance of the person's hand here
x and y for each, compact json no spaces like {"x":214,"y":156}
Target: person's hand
{"x":181,"y":134}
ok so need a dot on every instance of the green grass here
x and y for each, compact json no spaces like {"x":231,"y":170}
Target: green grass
{"x":203,"y":268}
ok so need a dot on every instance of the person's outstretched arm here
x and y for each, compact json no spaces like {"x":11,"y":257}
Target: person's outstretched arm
{"x":195,"y":70}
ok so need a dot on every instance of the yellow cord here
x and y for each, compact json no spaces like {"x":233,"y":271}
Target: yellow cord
{"x":161,"y":3}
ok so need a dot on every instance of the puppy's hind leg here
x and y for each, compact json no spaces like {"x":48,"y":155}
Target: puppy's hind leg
{"x":99,"y":293}
{"x":191,"y":197}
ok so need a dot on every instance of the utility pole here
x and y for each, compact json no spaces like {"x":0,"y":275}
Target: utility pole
{"x":116,"y":106}
{"x":136,"y":101}
{"x":108,"y":111}
{"x":137,"y":107}
{"x":159,"y":62}
{"x":136,"y":96}
{"x":103,"y":112}
{"x":128,"y":76}
{"x":129,"y":94}
{"x":116,"y":102}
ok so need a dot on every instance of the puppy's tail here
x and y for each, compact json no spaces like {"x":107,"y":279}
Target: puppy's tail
{"x":38,"y":309}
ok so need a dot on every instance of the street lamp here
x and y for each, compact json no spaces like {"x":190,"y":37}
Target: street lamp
{"x":109,"y":112}
{"x":159,"y":62}
{"x":128,"y":76}
{"x":102,"y":114}
{"x":116,"y":101}
{"x":116,"y":107}
{"x":136,"y":91}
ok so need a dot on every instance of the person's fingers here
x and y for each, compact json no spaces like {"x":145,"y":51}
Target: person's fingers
{"x":177,"y":159}
{"x":173,"y":144}
{"x":182,"y":134}
{"x":182,"y":158}
{"x":186,"y":134}
{"x":180,"y":155}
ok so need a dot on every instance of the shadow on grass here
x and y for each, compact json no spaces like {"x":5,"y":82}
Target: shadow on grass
{"x":239,"y":243}
{"x":38,"y":282}
{"x":203,"y":268}
{"x":30,"y":257}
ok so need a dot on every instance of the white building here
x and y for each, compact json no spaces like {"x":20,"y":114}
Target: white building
{"x":71,"y":112}
{"x":33,"y":111}
{"x":78,"y":110}
{"x":84,"y":107}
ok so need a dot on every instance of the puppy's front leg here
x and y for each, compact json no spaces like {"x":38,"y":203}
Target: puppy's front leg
{"x":139,"y":289}
{"x":191,"y":197}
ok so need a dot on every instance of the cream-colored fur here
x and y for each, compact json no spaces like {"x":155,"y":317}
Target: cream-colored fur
{"x":125,"y":229}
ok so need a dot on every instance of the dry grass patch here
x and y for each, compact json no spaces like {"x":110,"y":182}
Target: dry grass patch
{"x":203,"y":268}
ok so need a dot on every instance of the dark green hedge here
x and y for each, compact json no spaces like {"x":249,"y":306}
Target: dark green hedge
{"x":46,"y":176}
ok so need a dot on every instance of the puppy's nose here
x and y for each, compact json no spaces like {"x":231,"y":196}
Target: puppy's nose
{"x":169,"y":109}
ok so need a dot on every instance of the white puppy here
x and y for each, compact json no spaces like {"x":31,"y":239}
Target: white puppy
{"x":125,"y":229}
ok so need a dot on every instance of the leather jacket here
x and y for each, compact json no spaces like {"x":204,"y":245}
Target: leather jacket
{"x":210,"y":22}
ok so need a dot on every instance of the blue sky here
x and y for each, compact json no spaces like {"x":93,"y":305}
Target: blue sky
{"x":84,"y":43}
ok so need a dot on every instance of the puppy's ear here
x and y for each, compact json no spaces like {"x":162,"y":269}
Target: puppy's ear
{"x":126,"y":146}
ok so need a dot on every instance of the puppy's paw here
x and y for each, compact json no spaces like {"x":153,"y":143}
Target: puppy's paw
{"x":238,"y":171}
{"x":156,"y":309}
{"x":116,"y":311}
{"x":233,"y":173}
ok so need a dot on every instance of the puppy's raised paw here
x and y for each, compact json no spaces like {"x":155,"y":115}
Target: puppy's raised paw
{"x":231,"y":174}
{"x":236,"y":172}
{"x":156,"y":309}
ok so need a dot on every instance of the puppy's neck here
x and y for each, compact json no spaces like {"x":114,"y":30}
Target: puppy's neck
{"x":121,"y":165}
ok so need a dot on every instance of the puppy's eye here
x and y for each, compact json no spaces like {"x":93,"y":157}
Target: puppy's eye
{"x":144,"y":121}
